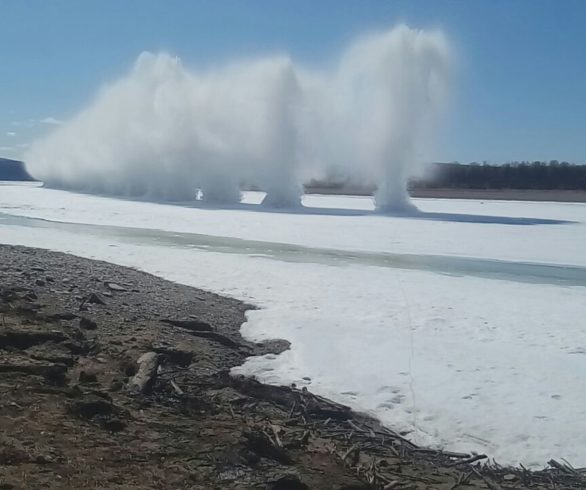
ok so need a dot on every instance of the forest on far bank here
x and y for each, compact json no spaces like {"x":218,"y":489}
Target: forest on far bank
{"x":552,"y":175}
{"x":515,"y":175}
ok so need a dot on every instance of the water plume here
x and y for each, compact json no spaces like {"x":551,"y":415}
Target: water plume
{"x":166,"y":132}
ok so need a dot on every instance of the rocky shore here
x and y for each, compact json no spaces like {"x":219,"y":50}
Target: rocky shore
{"x":112,"y":378}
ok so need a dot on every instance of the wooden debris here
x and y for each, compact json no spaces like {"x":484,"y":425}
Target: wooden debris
{"x":196,"y":325}
{"x":216,"y":337}
{"x":23,"y":339}
{"x":470,"y":460}
{"x":262,"y":444}
{"x":148,"y":364}
{"x":178,"y":390}
{"x":54,"y":373}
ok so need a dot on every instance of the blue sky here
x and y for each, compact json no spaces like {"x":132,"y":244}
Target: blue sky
{"x":519,"y":90}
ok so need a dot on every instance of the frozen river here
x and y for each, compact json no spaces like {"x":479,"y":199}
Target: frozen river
{"x":463,"y":325}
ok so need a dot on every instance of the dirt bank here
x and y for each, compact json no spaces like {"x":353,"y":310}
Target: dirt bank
{"x":503,"y":194}
{"x":112,"y":378}
{"x":554,"y":195}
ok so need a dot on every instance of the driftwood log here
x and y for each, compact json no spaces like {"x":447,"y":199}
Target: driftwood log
{"x":147,"y":370}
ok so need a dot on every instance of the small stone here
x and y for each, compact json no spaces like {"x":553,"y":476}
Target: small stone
{"x":288,"y":482}
{"x":91,"y":406}
{"x":116,"y":385}
{"x":249,"y":458}
{"x":115,"y":287}
{"x":87,"y":324}
{"x":114,"y":425}
{"x":176,"y":355}
{"x":95,"y":299}
{"x":78,"y":334}
{"x":87,"y":377}
{"x":40,"y":282}
{"x":41,"y":459}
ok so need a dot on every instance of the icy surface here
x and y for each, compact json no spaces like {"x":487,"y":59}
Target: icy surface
{"x":493,"y":229}
{"x":460,"y":361}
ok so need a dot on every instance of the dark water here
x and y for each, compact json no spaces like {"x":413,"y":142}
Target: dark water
{"x":455,"y":266}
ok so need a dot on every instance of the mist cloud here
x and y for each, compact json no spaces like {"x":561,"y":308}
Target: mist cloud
{"x":163,"y":130}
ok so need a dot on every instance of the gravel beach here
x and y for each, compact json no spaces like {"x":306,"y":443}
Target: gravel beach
{"x":113,"y":378}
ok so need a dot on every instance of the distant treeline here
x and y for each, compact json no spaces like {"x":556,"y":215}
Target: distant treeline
{"x":514,"y":175}
{"x":551,"y":175}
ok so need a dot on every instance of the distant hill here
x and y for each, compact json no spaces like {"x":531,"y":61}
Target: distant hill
{"x":13,"y":170}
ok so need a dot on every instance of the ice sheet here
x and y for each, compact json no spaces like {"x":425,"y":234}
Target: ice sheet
{"x":493,"y":229}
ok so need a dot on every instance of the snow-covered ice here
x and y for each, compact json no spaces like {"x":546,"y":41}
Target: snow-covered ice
{"x":460,"y":230}
{"x":460,"y":360}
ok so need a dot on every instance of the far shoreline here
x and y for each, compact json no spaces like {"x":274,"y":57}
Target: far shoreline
{"x":535,"y":195}
{"x":538,"y":195}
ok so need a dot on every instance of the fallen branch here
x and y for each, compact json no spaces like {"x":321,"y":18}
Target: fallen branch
{"x":147,"y":370}
{"x":489,"y":483}
{"x":193,"y":325}
{"x":178,"y":390}
{"x":216,"y":337}
{"x":472,"y":459}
